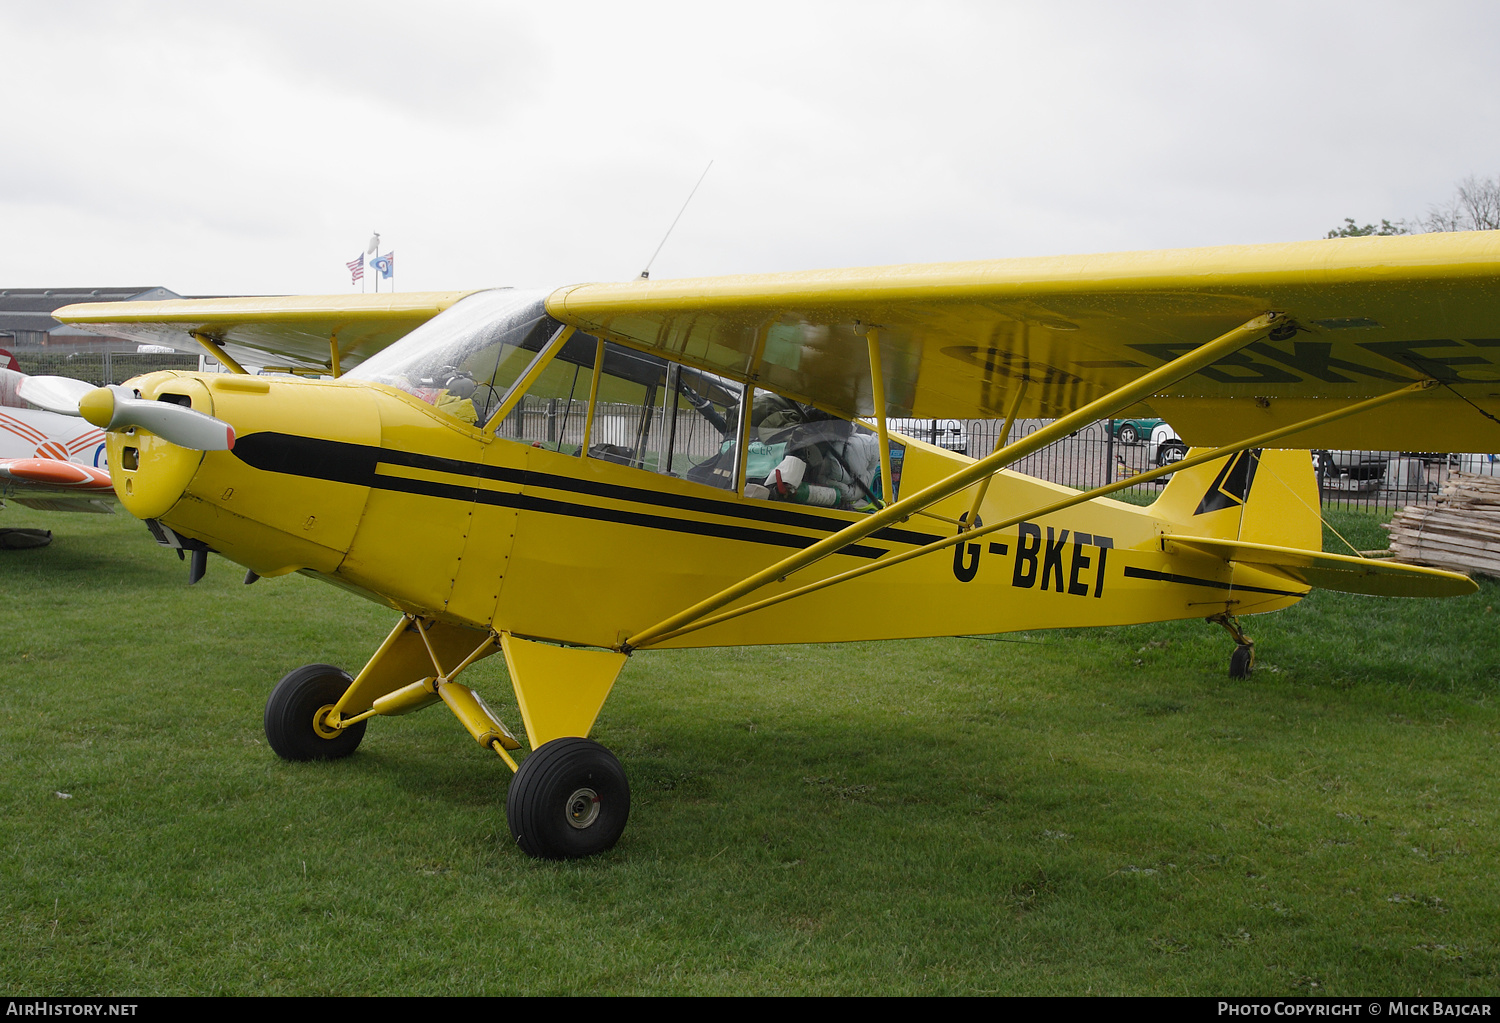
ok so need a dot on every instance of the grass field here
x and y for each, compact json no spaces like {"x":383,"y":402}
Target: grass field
{"x":1083,"y":811}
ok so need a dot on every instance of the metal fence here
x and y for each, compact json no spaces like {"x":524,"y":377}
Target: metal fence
{"x":100,"y":367}
{"x":1101,"y":453}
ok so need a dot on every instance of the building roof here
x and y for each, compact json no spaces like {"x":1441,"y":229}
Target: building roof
{"x":30,"y":309}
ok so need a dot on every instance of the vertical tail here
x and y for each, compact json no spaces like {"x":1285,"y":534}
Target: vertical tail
{"x":1268,"y":497}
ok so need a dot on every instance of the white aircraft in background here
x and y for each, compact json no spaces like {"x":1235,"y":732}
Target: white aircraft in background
{"x":47,"y":461}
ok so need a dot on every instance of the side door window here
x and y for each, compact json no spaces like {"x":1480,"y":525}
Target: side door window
{"x":664,"y":417}
{"x":800,"y":454}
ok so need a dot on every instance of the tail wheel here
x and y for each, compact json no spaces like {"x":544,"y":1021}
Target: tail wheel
{"x":1241,"y":660}
{"x":569,"y":799}
{"x":297,"y":714}
{"x":1128,"y":434}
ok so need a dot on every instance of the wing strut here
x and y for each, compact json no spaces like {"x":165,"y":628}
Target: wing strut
{"x":1101,"y":408}
{"x":1262,"y":440}
{"x":218,"y":352}
{"x":877,"y":388}
{"x":984,"y":484}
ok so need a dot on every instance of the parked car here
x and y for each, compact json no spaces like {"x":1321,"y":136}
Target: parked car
{"x":1165,"y":446}
{"x":1130,"y":431}
{"x":950,"y":434}
{"x":1352,"y":470}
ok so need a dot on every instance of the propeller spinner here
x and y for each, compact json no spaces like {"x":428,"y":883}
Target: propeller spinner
{"x":116,"y":407}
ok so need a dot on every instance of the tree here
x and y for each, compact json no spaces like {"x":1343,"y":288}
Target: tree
{"x":1353,"y":230}
{"x":1476,"y":207}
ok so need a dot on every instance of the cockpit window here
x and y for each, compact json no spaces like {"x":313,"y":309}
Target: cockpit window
{"x":465,"y":359}
{"x":648,"y":413}
{"x":801,"y":454}
{"x":672,"y":419}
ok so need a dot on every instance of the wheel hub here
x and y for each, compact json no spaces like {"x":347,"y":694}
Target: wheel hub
{"x":583,"y":808}
{"x":321,"y":723}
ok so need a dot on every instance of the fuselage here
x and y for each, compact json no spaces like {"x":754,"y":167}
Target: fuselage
{"x":375,"y":489}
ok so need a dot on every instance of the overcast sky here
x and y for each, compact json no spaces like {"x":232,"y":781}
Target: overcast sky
{"x":253,"y":147}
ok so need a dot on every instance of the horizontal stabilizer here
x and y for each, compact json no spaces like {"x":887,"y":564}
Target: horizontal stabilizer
{"x":1336,"y":571}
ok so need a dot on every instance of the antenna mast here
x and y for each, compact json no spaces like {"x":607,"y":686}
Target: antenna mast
{"x":646,"y":273}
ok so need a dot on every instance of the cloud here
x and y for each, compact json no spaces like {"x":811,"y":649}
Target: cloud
{"x":504,"y":142}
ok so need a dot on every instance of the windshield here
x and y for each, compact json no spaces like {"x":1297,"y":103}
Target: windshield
{"x":464,"y":359}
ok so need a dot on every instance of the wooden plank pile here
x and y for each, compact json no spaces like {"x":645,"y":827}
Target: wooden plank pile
{"x":1461,"y":532}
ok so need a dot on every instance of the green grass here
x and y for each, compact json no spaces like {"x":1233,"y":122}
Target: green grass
{"x":1066,"y":812}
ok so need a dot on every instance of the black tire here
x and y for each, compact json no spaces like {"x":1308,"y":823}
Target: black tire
{"x":1128,"y":434}
{"x":296,"y":701}
{"x":1171,"y":451}
{"x":1241,"y":660}
{"x":569,"y":799}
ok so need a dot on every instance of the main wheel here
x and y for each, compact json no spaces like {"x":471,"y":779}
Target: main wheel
{"x":1171,"y":451}
{"x":569,"y":799}
{"x":295,"y":715}
{"x":1128,"y":434}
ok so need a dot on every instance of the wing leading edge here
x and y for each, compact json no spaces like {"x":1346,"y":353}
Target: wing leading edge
{"x":291,"y":330}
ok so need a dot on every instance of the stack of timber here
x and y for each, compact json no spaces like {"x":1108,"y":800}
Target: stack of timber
{"x":1461,"y":532}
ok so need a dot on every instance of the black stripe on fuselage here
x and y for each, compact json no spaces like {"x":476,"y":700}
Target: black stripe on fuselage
{"x":1170,"y":577}
{"x":342,"y":462}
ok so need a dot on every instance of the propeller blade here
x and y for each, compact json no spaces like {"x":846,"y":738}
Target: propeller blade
{"x":116,"y":407}
{"x":55,"y":394}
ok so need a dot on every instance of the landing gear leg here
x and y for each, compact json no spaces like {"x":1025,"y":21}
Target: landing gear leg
{"x":1243,"y":657}
{"x":569,"y":798}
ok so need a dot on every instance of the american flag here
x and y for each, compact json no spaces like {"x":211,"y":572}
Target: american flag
{"x":356,"y":269}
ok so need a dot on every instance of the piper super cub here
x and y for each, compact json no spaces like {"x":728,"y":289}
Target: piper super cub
{"x":567,"y":476}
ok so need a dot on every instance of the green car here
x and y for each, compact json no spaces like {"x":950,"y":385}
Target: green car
{"x":1130,"y":431}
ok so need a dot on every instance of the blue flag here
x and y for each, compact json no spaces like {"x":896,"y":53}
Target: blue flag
{"x":384,"y":265}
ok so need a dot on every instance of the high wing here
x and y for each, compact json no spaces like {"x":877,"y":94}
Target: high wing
{"x":316,"y":332}
{"x":1362,"y":317}
{"x":1366,"y":316}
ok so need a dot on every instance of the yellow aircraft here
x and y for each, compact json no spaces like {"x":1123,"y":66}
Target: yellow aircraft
{"x":568,"y":476}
